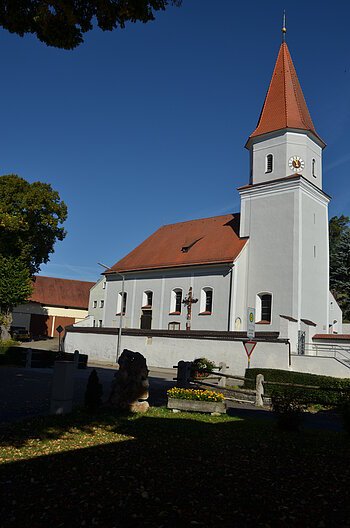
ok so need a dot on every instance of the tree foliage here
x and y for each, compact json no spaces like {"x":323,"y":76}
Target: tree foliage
{"x":15,"y":288}
{"x":62,"y":23}
{"x":30,"y":218}
{"x":339,"y":262}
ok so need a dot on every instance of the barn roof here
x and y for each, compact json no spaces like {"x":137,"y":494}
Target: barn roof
{"x":52,"y":291}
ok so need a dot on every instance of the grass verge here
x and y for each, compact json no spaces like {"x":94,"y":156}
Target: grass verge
{"x":166,"y":470}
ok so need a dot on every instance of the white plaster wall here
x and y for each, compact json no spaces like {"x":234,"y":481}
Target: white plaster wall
{"x":320,"y":365}
{"x":240,"y":284}
{"x":346,"y":328}
{"x":161,"y":283}
{"x":268,"y":219}
{"x":97,"y":294}
{"x":167,"y":352}
{"x":314,"y":261}
{"x":284,"y":221}
{"x":86,"y":322}
{"x":283,"y":146}
{"x":335,"y":314}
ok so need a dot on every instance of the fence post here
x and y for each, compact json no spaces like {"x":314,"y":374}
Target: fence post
{"x":259,"y":390}
{"x":183,"y":374}
{"x":76,"y":358}
{"x":29,"y":358}
{"x":222,"y":379}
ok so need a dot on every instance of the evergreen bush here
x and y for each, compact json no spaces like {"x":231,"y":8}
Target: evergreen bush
{"x":93,"y":393}
{"x":288,"y":410}
{"x":344,"y":409}
{"x":331,"y":391}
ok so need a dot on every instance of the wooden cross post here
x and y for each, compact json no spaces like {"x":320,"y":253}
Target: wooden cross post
{"x":188,"y":301}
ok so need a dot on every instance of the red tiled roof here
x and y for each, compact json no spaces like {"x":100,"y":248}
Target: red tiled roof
{"x":51,"y":291}
{"x":204,"y":241}
{"x":284,"y":105}
{"x":333,"y":337}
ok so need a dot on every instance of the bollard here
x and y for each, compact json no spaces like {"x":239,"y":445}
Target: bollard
{"x":76,"y":358}
{"x":183,"y":373}
{"x":259,"y":391}
{"x":29,"y":358}
{"x":222,"y":380}
{"x":62,"y":387}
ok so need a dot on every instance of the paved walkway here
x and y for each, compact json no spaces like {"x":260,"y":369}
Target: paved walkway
{"x":26,"y":392}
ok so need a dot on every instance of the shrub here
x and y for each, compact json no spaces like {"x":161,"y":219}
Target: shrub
{"x":6,"y":345}
{"x":344,"y":409}
{"x":201,"y":364}
{"x":288,"y":410}
{"x":12,"y":355}
{"x":93,"y":394}
{"x":331,"y":389}
{"x":199,"y":395}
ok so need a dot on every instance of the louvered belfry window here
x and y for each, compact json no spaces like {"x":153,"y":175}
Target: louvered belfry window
{"x":269,"y":163}
{"x":266,"y":302}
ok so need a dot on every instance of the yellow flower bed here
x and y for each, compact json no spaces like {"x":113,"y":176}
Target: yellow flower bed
{"x":199,"y":395}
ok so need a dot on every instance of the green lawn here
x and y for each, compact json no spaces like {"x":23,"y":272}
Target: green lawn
{"x":170,"y":470}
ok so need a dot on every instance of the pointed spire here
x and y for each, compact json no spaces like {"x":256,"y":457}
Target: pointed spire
{"x":284,"y":105}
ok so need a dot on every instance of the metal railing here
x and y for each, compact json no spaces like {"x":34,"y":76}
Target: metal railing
{"x":331,"y":350}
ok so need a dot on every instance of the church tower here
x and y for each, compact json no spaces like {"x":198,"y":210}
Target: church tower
{"x":284,"y":211}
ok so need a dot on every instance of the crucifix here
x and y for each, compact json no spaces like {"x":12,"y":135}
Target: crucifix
{"x":188,"y":301}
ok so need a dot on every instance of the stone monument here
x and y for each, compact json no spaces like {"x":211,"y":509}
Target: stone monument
{"x":130,"y":384}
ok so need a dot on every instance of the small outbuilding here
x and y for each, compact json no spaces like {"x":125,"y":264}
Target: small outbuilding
{"x":54,"y":302}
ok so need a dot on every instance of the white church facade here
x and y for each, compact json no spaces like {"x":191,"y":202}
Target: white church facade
{"x":203,"y":275}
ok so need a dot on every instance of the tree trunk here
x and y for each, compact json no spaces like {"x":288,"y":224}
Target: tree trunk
{"x":5,"y":325}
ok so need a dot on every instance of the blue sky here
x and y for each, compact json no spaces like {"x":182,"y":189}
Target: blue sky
{"x":146,"y":126}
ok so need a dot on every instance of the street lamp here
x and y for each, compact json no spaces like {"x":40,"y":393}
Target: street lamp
{"x":121,"y":308}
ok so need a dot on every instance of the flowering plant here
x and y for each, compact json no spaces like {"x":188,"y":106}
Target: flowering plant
{"x":201,"y":364}
{"x":199,"y":395}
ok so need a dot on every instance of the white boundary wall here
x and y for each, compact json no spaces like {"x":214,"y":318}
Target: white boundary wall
{"x":166,"y":352}
{"x":327,"y":366}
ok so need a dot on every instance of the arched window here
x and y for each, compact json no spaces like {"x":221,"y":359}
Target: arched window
{"x":147,"y":299}
{"x":206,"y":302}
{"x":269,"y":163}
{"x":314,"y":168}
{"x":263,"y":308}
{"x":176,"y":301}
{"x":119,"y":303}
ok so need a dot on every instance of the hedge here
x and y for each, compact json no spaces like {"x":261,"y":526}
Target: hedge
{"x":325,"y":395}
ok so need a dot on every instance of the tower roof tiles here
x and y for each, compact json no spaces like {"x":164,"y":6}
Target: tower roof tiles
{"x":284,"y":105}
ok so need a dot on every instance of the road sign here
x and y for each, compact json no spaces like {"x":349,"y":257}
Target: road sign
{"x":251,"y":323}
{"x":249,"y":347}
{"x":59,"y":329}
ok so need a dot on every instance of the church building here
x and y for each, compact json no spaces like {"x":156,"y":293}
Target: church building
{"x":272,"y":256}
{"x":186,"y":291}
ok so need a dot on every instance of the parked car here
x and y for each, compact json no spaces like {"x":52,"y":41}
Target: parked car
{"x":20,"y":333}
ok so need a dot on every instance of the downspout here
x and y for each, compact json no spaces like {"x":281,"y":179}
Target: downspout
{"x":289,"y":353}
{"x":230,"y":300}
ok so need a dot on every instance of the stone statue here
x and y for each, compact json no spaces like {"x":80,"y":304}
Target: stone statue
{"x":130,"y":384}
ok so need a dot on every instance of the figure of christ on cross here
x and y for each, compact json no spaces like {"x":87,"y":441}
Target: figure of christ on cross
{"x":188,"y":301}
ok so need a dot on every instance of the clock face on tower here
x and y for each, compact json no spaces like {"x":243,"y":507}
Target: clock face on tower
{"x":296,"y":164}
